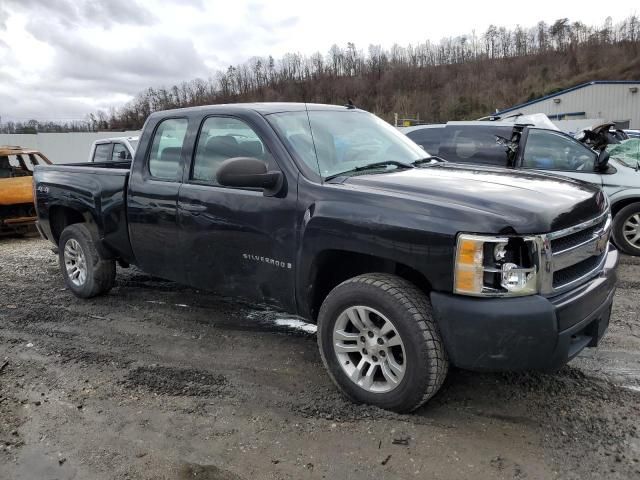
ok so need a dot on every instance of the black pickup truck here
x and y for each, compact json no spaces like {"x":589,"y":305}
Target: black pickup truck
{"x":407,"y":264}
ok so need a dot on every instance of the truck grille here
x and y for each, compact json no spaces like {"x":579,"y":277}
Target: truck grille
{"x":574,"y":272}
{"x":574,"y":255}
{"x":573,"y":239}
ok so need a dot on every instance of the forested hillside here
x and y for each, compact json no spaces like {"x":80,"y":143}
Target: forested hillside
{"x":462,"y":77}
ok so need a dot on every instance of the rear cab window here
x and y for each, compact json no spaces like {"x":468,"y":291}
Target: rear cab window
{"x":166,"y":149}
{"x":102,"y":152}
{"x":474,"y":144}
{"x":120,"y":153}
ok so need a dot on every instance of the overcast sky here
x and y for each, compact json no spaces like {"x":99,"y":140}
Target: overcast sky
{"x":62,"y":59}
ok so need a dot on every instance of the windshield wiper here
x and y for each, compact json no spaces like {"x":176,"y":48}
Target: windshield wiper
{"x":371,"y":166}
{"x":432,"y":159}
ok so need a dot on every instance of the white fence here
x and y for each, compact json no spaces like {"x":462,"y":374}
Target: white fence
{"x":70,"y":147}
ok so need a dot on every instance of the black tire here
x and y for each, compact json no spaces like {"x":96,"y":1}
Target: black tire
{"x":410,"y":310}
{"x":618,"y":229}
{"x":100,"y":272}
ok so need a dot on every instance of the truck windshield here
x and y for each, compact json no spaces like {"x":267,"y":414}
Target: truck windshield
{"x":332,"y":141}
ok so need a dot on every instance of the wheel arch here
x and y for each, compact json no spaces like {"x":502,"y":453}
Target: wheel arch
{"x":61,"y":216}
{"x":333,"y":266}
{"x":619,"y":204}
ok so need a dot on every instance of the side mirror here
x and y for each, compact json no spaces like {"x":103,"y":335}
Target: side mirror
{"x":602,"y":161}
{"x":247,"y":172}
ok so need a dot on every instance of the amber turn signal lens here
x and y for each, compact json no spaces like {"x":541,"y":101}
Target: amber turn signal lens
{"x":469,"y":252}
{"x":468,"y":280}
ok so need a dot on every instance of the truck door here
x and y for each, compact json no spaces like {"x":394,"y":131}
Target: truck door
{"x":152,"y":201}
{"x":555,"y":152}
{"x":236,"y":241}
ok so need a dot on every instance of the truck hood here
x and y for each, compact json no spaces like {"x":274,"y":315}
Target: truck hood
{"x":515,"y":201}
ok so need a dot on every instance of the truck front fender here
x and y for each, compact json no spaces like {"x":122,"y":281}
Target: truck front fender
{"x":369,"y":230}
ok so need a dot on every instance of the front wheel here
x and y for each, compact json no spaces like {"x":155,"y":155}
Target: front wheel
{"x":626,"y":229}
{"x":380,"y":344}
{"x":86,"y":273}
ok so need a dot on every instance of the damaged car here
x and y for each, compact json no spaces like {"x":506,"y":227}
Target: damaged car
{"x":524,"y":146}
{"x":17,"y":210}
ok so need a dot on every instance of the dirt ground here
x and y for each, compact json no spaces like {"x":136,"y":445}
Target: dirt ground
{"x":158,"y":381}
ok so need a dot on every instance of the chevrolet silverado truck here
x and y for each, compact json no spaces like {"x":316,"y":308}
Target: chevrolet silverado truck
{"x":407,"y":264}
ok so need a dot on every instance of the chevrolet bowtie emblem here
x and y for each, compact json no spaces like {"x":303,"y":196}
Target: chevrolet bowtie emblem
{"x":601,"y":244}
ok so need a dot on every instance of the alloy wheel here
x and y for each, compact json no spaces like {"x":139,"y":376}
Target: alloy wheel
{"x":369,"y":349}
{"x":631,"y":230}
{"x":75,"y":262}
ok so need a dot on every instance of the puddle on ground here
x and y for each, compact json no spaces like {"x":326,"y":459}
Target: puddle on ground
{"x":621,"y":368}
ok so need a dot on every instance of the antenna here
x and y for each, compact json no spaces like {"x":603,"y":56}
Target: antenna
{"x":313,"y":141}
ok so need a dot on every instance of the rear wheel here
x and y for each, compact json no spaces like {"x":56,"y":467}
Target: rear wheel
{"x":380,"y":344}
{"x":626,"y":229}
{"x":86,"y":273}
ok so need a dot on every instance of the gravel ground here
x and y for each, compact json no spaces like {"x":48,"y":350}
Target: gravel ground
{"x":159,"y":381}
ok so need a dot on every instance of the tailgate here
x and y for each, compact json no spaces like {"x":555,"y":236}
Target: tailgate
{"x":16,"y":190}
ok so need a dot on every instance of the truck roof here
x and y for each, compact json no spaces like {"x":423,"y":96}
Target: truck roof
{"x":264,"y":108}
{"x":116,"y":139}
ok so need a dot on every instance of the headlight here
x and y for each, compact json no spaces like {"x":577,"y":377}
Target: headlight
{"x":495,"y":266}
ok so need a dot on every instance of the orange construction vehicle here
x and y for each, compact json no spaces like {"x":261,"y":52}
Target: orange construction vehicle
{"x":17,"y":210}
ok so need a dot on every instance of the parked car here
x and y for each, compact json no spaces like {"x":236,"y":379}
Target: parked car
{"x":531,"y":148}
{"x":17,"y":210}
{"x":632,"y":133}
{"x":116,"y":149}
{"x":406,"y":264}
{"x":599,"y":136}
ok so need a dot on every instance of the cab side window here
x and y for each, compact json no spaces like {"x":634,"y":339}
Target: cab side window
{"x":166,"y":149}
{"x":102,"y":152}
{"x":222,"y":138}
{"x":120,"y":153}
{"x":548,"y":150}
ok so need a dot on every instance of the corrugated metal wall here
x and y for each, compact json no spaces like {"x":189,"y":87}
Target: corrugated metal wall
{"x":61,"y":147}
{"x":611,"y":102}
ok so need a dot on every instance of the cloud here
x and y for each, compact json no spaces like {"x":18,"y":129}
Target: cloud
{"x":79,"y":59}
{"x":87,"y":53}
{"x":4,"y":16}
{"x":62,"y":58}
{"x":74,"y":13}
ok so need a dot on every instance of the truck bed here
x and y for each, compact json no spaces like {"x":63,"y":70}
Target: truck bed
{"x":97,"y":190}
{"x":124,"y":165}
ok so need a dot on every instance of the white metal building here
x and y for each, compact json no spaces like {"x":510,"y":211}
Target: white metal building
{"x":616,"y":101}
{"x":72,"y":147}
